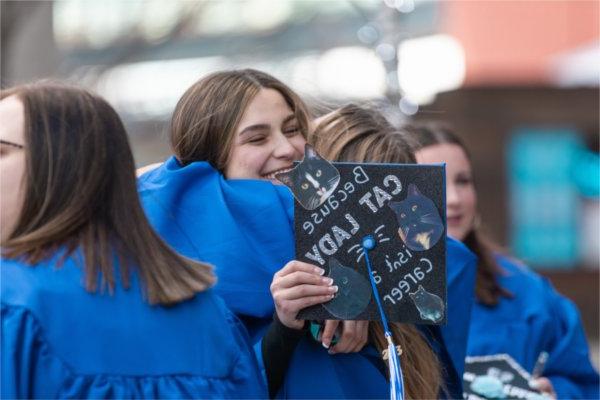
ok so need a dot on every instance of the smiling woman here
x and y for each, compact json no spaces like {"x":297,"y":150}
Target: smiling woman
{"x":516,"y":312}
{"x":217,"y":200}
{"x":246,"y":124}
{"x":267,"y":140}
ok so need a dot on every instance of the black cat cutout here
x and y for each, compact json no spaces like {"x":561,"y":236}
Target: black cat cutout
{"x":312,"y":181}
{"x":354,"y":291}
{"x":420,"y":223}
{"x":430,"y":306}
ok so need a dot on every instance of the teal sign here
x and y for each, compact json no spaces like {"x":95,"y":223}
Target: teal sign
{"x":549,"y":171}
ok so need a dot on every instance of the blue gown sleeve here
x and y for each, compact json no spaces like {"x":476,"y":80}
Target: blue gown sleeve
{"x":450,"y":341}
{"x":569,"y":367}
{"x":26,"y":355}
{"x":249,"y":374}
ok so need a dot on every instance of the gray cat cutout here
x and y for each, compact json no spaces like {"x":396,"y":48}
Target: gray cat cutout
{"x":430,"y":306}
{"x":354,"y":291}
{"x":312,"y":181}
{"x":420,"y":224}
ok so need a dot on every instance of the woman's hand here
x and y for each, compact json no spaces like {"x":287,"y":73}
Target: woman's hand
{"x":296,"y":286}
{"x":354,"y":336}
{"x":544,"y":385}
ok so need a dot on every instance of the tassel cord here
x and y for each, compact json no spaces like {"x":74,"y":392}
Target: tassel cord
{"x":395,"y":371}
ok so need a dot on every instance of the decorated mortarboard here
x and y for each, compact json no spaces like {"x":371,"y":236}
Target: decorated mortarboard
{"x":379,"y":232}
{"x":497,"y":376}
{"x":402,"y":208}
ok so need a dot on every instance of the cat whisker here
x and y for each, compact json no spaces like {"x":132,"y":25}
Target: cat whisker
{"x":360,"y":256}
{"x":352,"y":248}
{"x":334,"y":179}
{"x":313,"y":202}
{"x":380,"y":227}
{"x":431,"y":220}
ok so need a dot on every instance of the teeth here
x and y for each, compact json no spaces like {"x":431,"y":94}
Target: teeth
{"x":272,"y":174}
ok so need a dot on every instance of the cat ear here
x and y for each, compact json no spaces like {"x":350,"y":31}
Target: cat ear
{"x":413,"y":190}
{"x":395,"y":206}
{"x":285,"y":178}
{"x":310,"y":152}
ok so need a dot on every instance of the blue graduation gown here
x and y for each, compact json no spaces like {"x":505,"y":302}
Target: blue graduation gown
{"x":60,"y":341}
{"x":537,"y":319}
{"x":245,"y":228}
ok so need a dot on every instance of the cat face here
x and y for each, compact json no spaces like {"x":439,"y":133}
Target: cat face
{"x":354,"y":291}
{"x":312,"y":181}
{"x":430,"y":306}
{"x":420,"y":224}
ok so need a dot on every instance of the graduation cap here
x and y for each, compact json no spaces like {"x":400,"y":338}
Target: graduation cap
{"x":402,"y":208}
{"x":497,"y":376}
{"x":379,"y":231}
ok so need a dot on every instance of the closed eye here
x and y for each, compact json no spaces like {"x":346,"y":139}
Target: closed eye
{"x":463,"y":181}
{"x":291,"y":131}
{"x":256,"y":139}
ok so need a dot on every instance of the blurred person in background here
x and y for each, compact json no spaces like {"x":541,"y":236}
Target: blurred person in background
{"x":516,"y":312}
{"x":94,"y":303}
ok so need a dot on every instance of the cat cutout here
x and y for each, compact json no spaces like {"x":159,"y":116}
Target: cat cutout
{"x":489,"y":387}
{"x":504,"y":376}
{"x":420,"y":223}
{"x":354,"y":291}
{"x":312,"y":181}
{"x":430,"y":306}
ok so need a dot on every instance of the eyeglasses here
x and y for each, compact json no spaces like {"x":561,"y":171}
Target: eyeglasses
{"x":17,"y":145}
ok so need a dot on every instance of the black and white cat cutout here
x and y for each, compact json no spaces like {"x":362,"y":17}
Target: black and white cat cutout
{"x":420,"y":224}
{"x":312,"y":181}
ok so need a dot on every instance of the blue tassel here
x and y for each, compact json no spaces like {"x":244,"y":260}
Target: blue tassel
{"x":395,"y":370}
{"x":396,"y":378}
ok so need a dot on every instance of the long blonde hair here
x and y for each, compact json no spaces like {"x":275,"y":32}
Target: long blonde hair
{"x":359,"y":134}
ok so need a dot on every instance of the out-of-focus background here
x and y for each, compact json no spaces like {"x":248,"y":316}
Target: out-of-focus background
{"x":519,"y":80}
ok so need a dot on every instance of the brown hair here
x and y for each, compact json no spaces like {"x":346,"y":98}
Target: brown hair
{"x":487,"y":288}
{"x":80,"y":195}
{"x":206,"y":117}
{"x":355,"y":133}
{"x":360,"y":134}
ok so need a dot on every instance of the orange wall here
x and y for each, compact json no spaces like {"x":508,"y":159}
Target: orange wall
{"x":508,"y":41}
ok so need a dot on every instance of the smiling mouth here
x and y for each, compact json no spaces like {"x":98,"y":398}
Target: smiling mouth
{"x":455,"y":219}
{"x":271,"y":175}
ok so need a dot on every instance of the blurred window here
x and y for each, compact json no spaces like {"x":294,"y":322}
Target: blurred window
{"x":99,"y":24}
